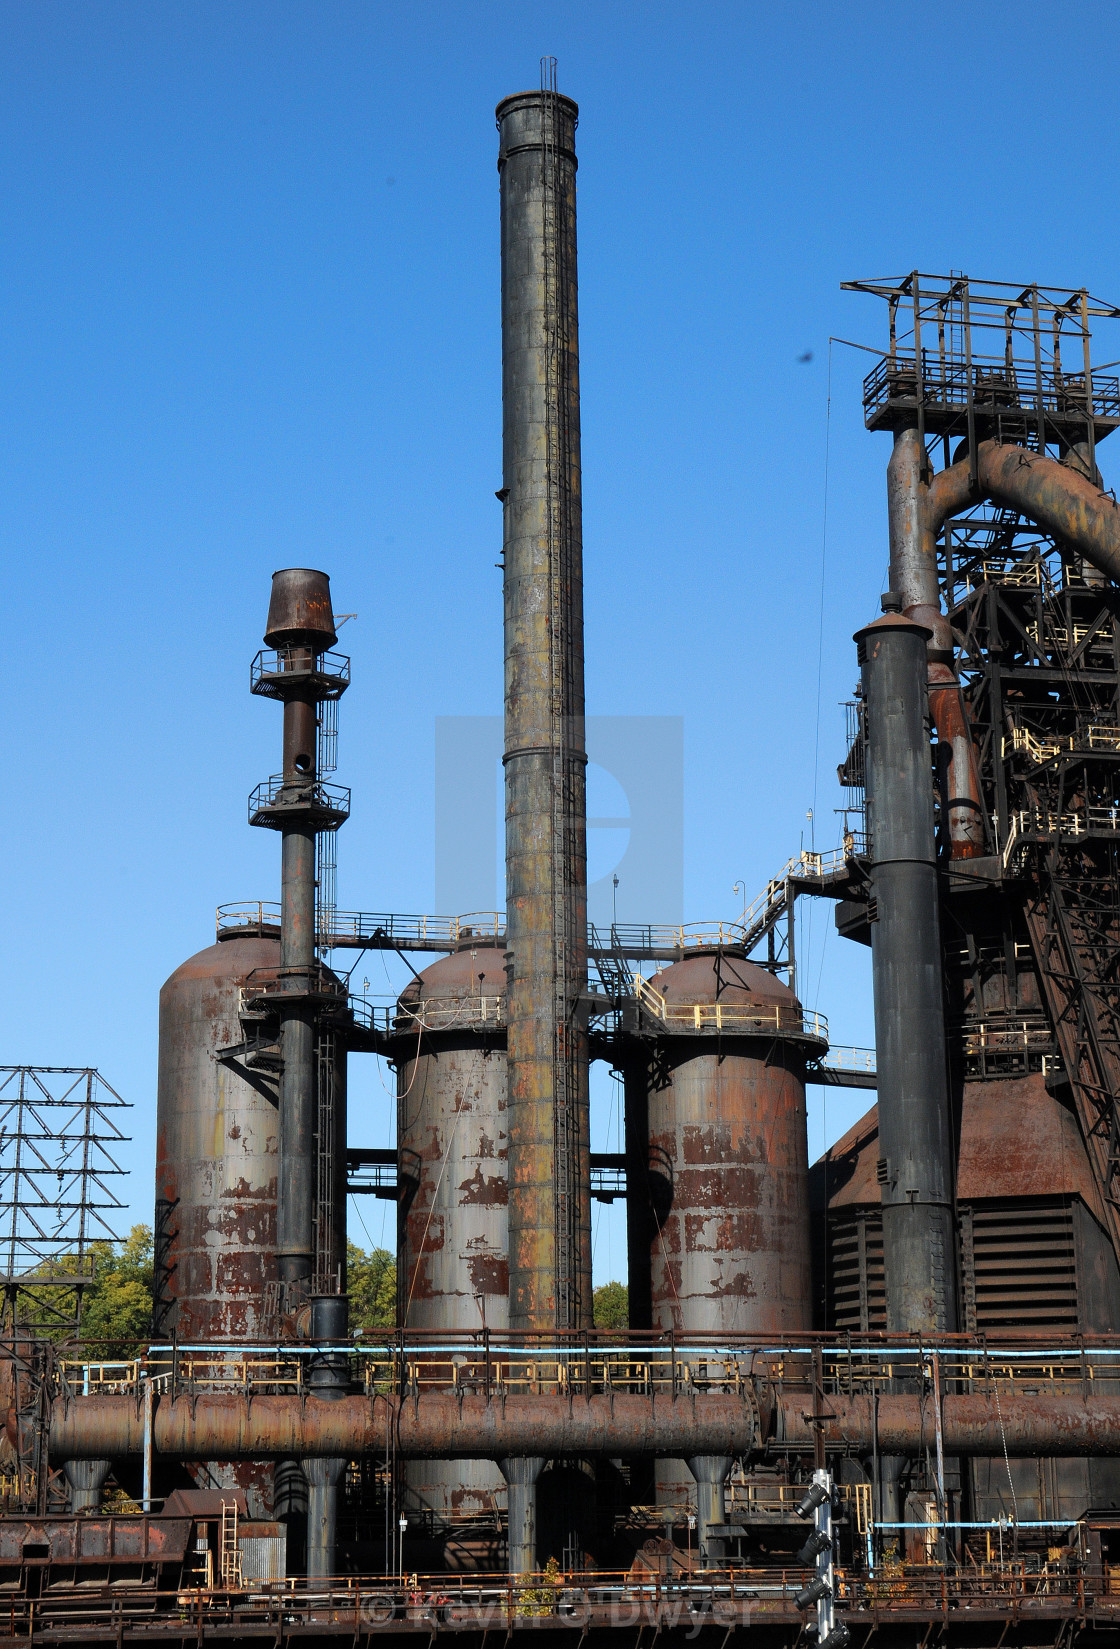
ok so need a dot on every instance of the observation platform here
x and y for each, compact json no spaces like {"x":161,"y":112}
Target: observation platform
{"x":285,"y":674}
{"x":319,"y":806}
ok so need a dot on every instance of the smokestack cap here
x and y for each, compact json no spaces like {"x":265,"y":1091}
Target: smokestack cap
{"x":893,"y":621}
{"x":300,"y":613}
{"x":521,"y":124}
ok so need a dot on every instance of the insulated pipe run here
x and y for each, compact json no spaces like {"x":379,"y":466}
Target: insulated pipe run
{"x":546,"y":869}
{"x":915,"y":1165}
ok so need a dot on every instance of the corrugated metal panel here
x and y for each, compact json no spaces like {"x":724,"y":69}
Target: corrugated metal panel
{"x":1024,"y":1266}
{"x":1018,"y":1267}
{"x":263,"y":1557}
{"x":856,"y":1293}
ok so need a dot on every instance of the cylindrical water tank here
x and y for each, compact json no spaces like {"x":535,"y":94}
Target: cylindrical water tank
{"x":728,"y":1156}
{"x":453,"y":1257}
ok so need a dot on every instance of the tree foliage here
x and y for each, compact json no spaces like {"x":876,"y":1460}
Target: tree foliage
{"x":610,"y":1306}
{"x":371,"y":1281}
{"x":118,"y":1304}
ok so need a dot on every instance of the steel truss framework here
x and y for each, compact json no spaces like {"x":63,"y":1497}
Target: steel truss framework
{"x":60,"y":1136}
{"x":1040,"y":661}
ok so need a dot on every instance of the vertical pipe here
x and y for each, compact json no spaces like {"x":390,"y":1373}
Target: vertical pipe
{"x":915,"y":1167}
{"x":546,"y":872}
{"x":640,"y":1227}
{"x":146,"y":1501}
{"x":329,"y":1377}
{"x":710,"y":1472}
{"x":301,"y":627}
{"x":521,"y":1473}
{"x":86,"y":1479}
{"x":297,"y":1167}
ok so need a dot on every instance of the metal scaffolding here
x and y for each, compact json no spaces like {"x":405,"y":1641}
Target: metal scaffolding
{"x":59,"y":1140}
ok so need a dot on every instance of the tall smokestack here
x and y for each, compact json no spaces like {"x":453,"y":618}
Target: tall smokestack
{"x":546,"y":823}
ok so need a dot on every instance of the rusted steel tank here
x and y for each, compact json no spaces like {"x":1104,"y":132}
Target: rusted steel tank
{"x":216,"y":1141}
{"x":728,"y":1157}
{"x":215,"y":1219}
{"x":453,"y":1256}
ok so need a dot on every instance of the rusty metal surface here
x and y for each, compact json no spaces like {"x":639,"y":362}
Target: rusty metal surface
{"x":438,"y":1425}
{"x":453,"y":1266}
{"x":1048,"y":1159}
{"x":300,"y":611}
{"x":216,"y":1156}
{"x":973,"y":1424}
{"x":728,"y":1167}
{"x":446,"y":1425}
{"x":546,"y":873}
{"x":216,"y":1142}
{"x":93,"y":1540}
{"x":1058,"y":497}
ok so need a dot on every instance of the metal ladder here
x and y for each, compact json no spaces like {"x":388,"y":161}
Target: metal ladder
{"x":229,"y":1552}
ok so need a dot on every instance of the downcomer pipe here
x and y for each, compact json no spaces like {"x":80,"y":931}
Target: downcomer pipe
{"x":1060,"y":497}
{"x":915,"y":1166}
{"x":546,"y":869}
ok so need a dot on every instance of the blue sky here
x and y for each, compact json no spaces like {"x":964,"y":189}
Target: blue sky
{"x":249,"y":318}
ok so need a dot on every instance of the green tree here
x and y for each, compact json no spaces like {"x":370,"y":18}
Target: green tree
{"x":610,"y":1306}
{"x":371,"y":1281}
{"x":118,"y":1303}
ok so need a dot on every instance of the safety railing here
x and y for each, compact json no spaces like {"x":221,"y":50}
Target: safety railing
{"x":491,"y":1366}
{"x":1016,"y":575}
{"x":1003,"y":1035}
{"x":395,"y":1017}
{"x":858,"y":1060}
{"x":681,"y":1594}
{"x":266,"y":985}
{"x":1043,"y":824}
{"x":106,"y":1377}
{"x":765,"y":1019}
{"x":1041,"y":750}
{"x":330,"y":671}
{"x":276,"y":796}
{"x":382,"y":928}
{"x":991,"y":383}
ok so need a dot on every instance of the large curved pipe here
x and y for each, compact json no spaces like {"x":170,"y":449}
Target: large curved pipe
{"x":1059,"y":499}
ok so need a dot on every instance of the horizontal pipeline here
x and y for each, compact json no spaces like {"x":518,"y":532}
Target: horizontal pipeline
{"x":442,"y":1425}
{"x":438,"y":1425}
{"x":972,"y":1424}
